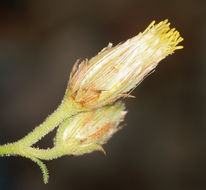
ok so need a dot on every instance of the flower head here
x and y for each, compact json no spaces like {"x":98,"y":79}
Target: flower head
{"x":87,"y":131}
{"x":115,"y":71}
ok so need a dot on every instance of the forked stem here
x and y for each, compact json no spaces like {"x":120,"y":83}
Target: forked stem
{"x":66,"y":109}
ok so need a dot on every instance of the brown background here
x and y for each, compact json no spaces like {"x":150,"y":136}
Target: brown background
{"x":164,"y":144}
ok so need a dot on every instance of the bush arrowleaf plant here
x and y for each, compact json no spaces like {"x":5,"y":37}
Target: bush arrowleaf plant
{"x":92,"y":108}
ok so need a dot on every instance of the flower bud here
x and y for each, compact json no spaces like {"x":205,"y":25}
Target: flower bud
{"x":87,"y":131}
{"x":116,"y":71}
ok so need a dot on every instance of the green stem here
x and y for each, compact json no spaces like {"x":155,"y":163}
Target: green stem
{"x":33,"y":154}
{"x":30,"y":152}
{"x":42,"y":154}
{"x":43,"y":169}
{"x":8,"y":149}
{"x":66,"y":109}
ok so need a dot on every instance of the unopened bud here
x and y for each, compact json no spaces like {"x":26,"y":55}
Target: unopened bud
{"x":87,"y":131}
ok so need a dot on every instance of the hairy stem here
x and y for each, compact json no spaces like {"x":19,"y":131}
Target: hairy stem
{"x":66,"y":109}
{"x":30,"y":152}
{"x":8,"y":149}
{"x":47,"y":154}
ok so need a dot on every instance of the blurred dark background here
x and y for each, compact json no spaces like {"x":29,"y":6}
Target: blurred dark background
{"x":164,"y":144}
